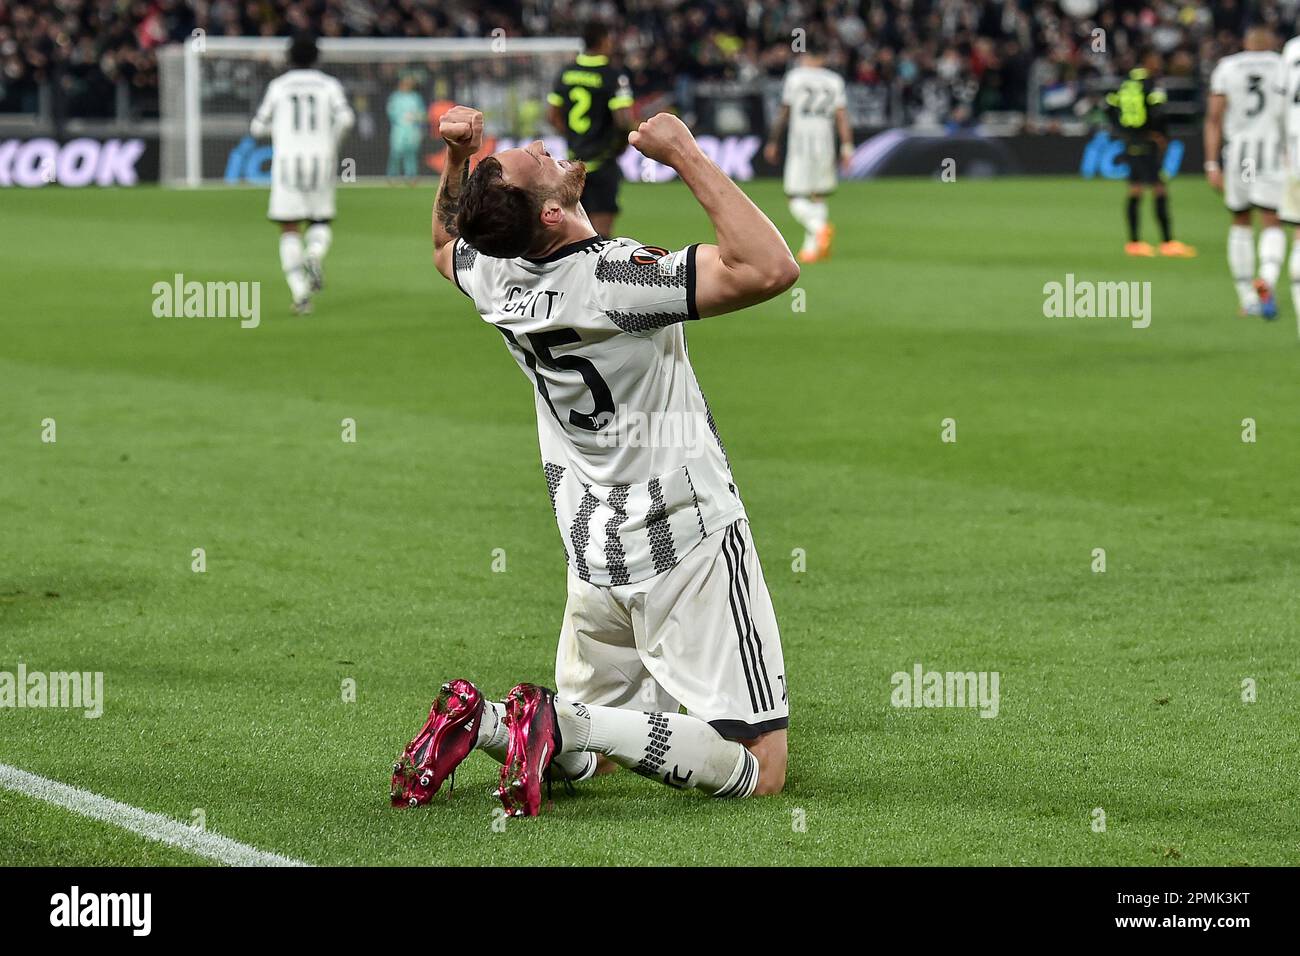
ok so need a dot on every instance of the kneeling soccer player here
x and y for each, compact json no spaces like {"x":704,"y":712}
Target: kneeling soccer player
{"x":666,"y":599}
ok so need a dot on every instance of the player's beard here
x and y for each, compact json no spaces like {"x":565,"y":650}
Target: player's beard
{"x":569,"y":193}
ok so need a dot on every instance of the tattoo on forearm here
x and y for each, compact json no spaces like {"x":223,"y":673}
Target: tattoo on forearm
{"x":449,"y":199}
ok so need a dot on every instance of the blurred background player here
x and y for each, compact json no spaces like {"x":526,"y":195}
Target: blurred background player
{"x":306,"y":114}
{"x":406,"y":129}
{"x":1245,"y":108}
{"x":591,"y":103}
{"x":1137,"y":110}
{"x":1289,"y":209}
{"x":813,"y":106}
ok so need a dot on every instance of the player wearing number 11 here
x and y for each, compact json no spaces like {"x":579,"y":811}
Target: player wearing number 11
{"x":306,"y":114}
{"x":667,"y":606}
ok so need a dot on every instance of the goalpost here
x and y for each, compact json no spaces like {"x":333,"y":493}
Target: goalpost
{"x":209,"y":88}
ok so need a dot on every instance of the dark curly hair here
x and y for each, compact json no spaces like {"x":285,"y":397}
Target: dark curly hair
{"x":302,"y":50}
{"x":496,"y":218}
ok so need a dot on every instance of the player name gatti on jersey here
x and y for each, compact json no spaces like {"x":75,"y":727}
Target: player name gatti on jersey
{"x":74,"y":690}
{"x":1084,"y":299}
{"x":74,"y":908}
{"x":534,"y":303}
{"x":180,"y":299}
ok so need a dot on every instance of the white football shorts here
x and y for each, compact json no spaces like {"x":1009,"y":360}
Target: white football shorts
{"x":1252,"y":174}
{"x":290,"y":204}
{"x":701,"y":635}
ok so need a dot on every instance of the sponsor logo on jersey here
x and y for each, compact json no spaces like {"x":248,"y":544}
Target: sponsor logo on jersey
{"x":648,"y":255}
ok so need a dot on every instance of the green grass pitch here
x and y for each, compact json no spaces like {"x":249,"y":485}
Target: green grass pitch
{"x":372,"y":561}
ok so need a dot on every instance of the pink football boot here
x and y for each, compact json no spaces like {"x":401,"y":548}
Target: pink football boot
{"x":443,"y":742}
{"x":534,"y":740}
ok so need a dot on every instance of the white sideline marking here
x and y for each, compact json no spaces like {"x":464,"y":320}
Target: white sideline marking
{"x":154,"y":826}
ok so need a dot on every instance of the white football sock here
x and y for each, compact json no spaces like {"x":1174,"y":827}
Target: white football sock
{"x":820,"y":214}
{"x":494,"y":739}
{"x":804,"y":214}
{"x":676,"y":749}
{"x":492,"y":736}
{"x":1241,"y":262}
{"x":291,"y":263}
{"x":1272,"y":250}
{"x":319,"y":237}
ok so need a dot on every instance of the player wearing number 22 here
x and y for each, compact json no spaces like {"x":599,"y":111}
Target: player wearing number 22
{"x":592,"y":103}
{"x":667,"y":606}
{"x":306,"y":114}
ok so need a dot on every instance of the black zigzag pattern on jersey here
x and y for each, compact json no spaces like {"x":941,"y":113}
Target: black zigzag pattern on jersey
{"x":554,"y":474}
{"x":656,"y":525}
{"x":699,"y":515}
{"x":645,"y":321}
{"x":713,"y":427}
{"x":580,"y":532}
{"x":465,"y":256}
{"x":641,"y":273}
{"x":656,"y":747}
{"x":615,"y":557}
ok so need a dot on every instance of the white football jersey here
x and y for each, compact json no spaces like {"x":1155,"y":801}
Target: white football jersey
{"x":1291,"y":99}
{"x":813,"y":94}
{"x":306,"y":113}
{"x":1252,"y":82}
{"x":635,"y":469}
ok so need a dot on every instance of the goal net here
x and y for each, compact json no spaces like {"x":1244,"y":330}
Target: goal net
{"x":210,"y":87}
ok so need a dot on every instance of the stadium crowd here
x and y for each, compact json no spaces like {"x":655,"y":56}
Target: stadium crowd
{"x":952,"y":59}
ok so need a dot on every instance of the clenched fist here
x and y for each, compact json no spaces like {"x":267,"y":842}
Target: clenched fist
{"x":664,"y":138}
{"x":461,"y":128}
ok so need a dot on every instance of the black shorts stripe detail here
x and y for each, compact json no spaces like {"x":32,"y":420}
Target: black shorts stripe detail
{"x":741,"y":630}
{"x":739,"y":586}
{"x":740,"y":730}
{"x":744,"y":600}
{"x":580,"y":532}
{"x":661,"y":536}
{"x":615,"y":557}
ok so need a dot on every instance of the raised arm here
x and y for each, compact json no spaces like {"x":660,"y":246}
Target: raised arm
{"x":462,"y":130}
{"x":751,"y":262}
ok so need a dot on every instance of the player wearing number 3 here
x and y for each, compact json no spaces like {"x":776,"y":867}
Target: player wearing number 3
{"x":667,"y":607}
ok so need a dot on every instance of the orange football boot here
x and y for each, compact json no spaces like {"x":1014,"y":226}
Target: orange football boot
{"x":1177,"y":250}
